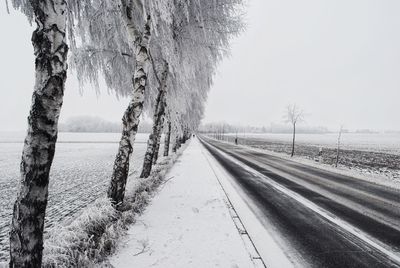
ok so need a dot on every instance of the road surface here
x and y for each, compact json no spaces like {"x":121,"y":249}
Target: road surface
{"x":322,"y":219}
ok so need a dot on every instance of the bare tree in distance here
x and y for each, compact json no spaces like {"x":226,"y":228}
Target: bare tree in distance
{"x":293,"y":115}
{"x":338,"y":145}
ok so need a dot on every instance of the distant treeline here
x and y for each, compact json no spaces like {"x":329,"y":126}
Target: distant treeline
{"x":281,"y":129}
{"x":97,"y":124}
{"x":273,"y":128}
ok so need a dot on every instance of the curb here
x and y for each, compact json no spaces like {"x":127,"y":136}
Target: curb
{"x":248,"y":242}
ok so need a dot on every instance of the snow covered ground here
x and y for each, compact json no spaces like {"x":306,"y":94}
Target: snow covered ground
{"x":374,"y":142}
{"x":378,"y":157}
{"x":188,"y":223}
{"x":389,"y":178}
{"x":80,"y":174}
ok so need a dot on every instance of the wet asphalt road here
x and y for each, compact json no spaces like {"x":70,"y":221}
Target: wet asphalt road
{"x":312,"y":240}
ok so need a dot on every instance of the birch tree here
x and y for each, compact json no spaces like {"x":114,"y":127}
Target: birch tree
{"x":203,"y":41}
{"x":162,"y":11}
{"x":338,"y":145}
{"x":131,"y":118}
{"x":113,"y":40}
{"x":129,"y":23}
{"x":167,"y":138}
{"x":193,"y":63}
{"x":50,"y":49}
{"x":293,"y":116}
{"x":158,"y":119}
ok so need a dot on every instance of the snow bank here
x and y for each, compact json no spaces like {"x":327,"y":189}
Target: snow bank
{"x":92,"y":236}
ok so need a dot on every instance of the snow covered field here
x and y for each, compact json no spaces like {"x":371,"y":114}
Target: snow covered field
{"x":80,"y":174}
{"x":368,"y":154}
{"x":382,"y":143}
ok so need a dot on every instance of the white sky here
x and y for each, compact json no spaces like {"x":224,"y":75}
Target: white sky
{"x":339,"y":60}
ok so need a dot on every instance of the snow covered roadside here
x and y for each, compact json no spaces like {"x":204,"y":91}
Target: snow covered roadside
{"x":343,"y":170}
{"x":188,"y":223}
{"x":358,"y":174}
{"x":92,"y":236}
{"x":260,"y":233}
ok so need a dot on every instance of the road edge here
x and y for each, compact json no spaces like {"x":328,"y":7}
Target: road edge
{"x":249,"y":227}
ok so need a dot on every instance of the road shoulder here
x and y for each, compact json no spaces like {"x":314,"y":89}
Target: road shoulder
{"x":266,"y":246}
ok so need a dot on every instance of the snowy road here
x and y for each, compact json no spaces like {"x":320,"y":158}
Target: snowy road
{"x":80,"y":174}
{"x":321,"y":219}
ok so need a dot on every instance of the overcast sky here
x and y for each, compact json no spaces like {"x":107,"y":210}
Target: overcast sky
{"x":339,"y":60}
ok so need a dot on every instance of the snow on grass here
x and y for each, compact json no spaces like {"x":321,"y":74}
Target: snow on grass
{"x":93,"y":235}
{"x":80,"y":174}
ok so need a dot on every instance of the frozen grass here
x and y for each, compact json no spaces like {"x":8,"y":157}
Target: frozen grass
{"x":80,"y":175}
{"x":92,"y":236}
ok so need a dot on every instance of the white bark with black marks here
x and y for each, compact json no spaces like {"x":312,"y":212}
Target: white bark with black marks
{"x":177,"y":143}
{"x":131,"y":118}
{"x":50,"y":49}
{"x":167,"y":139}
{"x":158,"y":121}
{"x":175,"y":146}
{"x":157,"y":145}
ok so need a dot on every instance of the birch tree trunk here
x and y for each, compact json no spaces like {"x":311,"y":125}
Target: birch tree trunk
{"x":175,"y":147}
{"x":185,"y":136}
{"x":131,"y":118}
{"x":294,"y":138}
{"x":157,"y":145}
{"x":178,"y":142}
{"x":338,"y":146}
{"x":50,"y":49}
{"x":182,"y":139}
{"x":167,"y":139}
{"x":157,"y":126}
